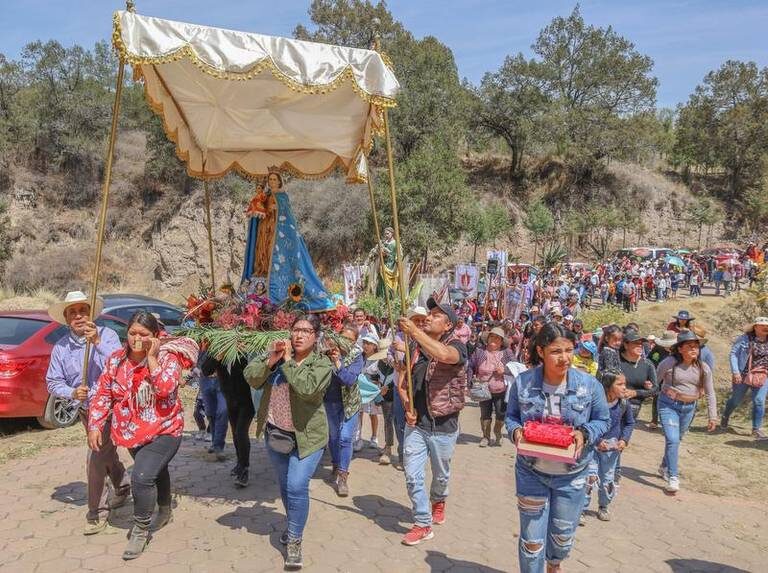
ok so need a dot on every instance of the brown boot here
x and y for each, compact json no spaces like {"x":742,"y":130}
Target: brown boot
{"x":497,"y":428}
{"x":342,"y":489}
{"x":334,"y":474}
{"x":486,"y":439}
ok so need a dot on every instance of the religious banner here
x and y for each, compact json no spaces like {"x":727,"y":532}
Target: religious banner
{"x":466,"y":278}
{"x":500,"y":256}
{"x":353,"y":283}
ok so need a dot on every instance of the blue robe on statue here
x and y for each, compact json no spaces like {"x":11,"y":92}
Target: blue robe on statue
{"x":290,"y":261}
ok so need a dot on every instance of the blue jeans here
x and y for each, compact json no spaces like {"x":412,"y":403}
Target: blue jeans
{"x":215,"y":410}
{"x":549,"y":507}
{"x":341,"y":434}
{"x":676,"y":418}
{"x":398,"y":415}
{"x":602,"y":473}
{"x":758,"y":403}
{"x":293,"y":475}
{"x":420,"y":445}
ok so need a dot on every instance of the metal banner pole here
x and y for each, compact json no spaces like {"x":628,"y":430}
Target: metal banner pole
{"x":103,"y":212}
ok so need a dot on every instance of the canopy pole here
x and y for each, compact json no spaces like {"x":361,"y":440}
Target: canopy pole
{"x":378,"y":241}
{"x":103,"y":212}
{"x":209,"y":228}
{"x":399,"y":255}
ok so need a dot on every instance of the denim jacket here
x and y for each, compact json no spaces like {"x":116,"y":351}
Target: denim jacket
{"x":740,"y":354}
{"x":584,"y":408}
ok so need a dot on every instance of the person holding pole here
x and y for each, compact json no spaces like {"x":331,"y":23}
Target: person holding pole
{"x":65,"y":380}
{"x":439,"y":378}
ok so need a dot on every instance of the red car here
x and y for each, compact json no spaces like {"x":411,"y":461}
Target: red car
{"x":26,"y":343}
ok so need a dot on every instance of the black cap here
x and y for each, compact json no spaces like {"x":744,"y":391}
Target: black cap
{"x":633,"y":336}
{"x":446,"y":309}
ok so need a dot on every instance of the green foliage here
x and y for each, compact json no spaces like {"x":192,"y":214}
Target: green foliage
{"x":235,"y":343}
{"x":485,"y":224}
{"x":432,"y":100}
{"x":594,"y":318}
{"x":725,"y":125}
{"x":377,"y":306}
{"x":586,"y":90}
{"x":704,"y":212}
{"x":433,"y":198}
{"x":552,"y":255}
{"x":5,"y":242}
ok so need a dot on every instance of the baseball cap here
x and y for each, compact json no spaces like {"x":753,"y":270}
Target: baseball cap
{"x":445,"y":308}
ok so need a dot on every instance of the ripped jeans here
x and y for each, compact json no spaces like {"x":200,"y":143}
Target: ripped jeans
{"x":549,"y":507}
{"x":602,"y":473}
{"x":676,"y":418}
{"x":421,"y":445}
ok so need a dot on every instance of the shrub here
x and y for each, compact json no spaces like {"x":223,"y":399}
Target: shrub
{"x":595,"y":318}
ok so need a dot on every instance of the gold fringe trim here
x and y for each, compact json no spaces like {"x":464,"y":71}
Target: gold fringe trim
{"x":266,"y":64}
{"x":377,"y":111}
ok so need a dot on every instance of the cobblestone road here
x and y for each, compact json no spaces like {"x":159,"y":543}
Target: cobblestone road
{"x":218,"y":528}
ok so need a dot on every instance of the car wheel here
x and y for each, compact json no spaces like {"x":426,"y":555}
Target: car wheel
{"x":59,"y":413}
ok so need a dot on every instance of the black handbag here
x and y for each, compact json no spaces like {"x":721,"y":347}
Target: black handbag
{"x":279,"y":440}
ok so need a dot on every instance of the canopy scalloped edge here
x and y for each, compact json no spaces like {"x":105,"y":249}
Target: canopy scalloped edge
{"x":356,"y":170}
{"x":258,"y":67}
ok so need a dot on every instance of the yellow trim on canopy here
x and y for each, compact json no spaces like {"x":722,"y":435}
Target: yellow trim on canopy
{"x":266,"y":64}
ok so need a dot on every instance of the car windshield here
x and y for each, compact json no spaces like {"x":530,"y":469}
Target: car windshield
{"x":15,"y":330}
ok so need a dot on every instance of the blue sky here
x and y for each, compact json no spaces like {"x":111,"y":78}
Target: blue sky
{"x":686,"y":38}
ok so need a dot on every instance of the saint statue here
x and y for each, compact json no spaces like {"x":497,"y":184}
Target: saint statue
{"x":386,"y":277}
{"x":276,"y":253}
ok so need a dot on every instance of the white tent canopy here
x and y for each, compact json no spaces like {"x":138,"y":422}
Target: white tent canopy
{"x":235,"y":100}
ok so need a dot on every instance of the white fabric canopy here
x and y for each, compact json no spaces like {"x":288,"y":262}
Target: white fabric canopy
{"x":235,"y":100}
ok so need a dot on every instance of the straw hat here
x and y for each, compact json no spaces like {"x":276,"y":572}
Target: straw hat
{"x":57,"y":309}
{"x":498,"y":331}
{"x":383,"y":349}
{"x":668,"y":339}
{"x":759,"y":321}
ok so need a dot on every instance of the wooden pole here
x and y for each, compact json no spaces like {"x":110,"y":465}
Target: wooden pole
{"x":398,"y":253}
{"x":209,"y":228}
{"x":103,"y":212}
{"x":378,"y":241}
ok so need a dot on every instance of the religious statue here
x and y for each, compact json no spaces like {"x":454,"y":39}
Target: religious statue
{"x":276,"y":255}
{"x":386,"y":277}
{"x":258,"y":204}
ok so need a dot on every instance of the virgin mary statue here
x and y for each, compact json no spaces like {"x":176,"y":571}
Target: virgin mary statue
{"x":275,"y":253}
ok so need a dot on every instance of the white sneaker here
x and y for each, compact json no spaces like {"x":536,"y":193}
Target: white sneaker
{"x":673,"y":485}
{"x":663,"y":473}
{"x":208,"y":437}
{"x":357,"y":446}
{"x":373,"y":444}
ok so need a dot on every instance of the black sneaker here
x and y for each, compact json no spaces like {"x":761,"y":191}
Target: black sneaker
{"x":241,"y":480}
{"x":236,"y":470}
{"x":293,"y":560}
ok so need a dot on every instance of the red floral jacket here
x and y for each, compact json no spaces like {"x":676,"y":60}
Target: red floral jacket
{"x":134,"y":424}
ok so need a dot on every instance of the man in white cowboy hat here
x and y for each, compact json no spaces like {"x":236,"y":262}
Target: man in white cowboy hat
{"x":64,"y":380}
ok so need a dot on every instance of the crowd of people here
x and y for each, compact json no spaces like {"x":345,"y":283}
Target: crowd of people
{"x":313,"y":393}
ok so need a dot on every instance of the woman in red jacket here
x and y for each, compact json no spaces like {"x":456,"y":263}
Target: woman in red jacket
{"x":139,"y":390}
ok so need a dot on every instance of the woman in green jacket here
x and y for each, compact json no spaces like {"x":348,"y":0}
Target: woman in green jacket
{"x":294,"y":378}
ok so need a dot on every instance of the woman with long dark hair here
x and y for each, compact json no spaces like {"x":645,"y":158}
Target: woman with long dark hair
{"x":550,"y":494}
{"x":139,"y":388}
{"x":749,"y":355}
{"x":684,"y":377}
{"x":295,"y":378}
